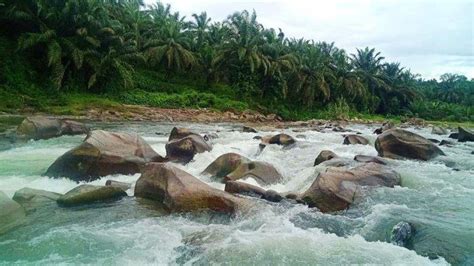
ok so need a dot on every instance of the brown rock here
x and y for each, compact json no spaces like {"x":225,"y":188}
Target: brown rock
{"x":104,"y":153}
{"x":184,"y":149}
{"x":337,"y":188}
{"x":399,"y":143}
{"x":369,"y":159}
{"x":355,"y":139}
{"x":323,"y":156}
{"x":179,"y":191}
{"x":232,"y":166}
{"x":39,"y":127}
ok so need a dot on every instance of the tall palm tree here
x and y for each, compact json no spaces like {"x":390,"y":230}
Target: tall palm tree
{"x":368,"y":66}
{"x":244,"y":42}
{"x":200,"y":27}
{"x":171,"y":48}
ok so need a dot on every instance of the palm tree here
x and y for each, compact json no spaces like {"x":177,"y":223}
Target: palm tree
{"x":368,"y":66}
{"x":199,"y":27}
{"x":243,"y":45}
{"x":170,"y":47}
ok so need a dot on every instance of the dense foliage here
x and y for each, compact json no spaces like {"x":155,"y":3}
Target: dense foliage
{"x":111,"y":46}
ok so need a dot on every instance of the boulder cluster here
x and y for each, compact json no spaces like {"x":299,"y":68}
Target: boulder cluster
{"x":342,"y":182}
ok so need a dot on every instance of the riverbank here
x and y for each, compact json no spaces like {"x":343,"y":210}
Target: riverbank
{"x":138,"y":113}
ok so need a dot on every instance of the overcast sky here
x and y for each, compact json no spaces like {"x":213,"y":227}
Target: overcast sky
{"x":430,"y":37}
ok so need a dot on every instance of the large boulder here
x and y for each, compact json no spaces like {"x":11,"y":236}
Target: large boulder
{"x":233,"y":166}
{"x":323,"y":156}
{"x":184,"y":149}
{"x":399,"y":143}
{"x":45,"y":128}
{"x":439,"y":130}
{"x":179,"y":191}
{"x":31,"y":198}
{"x":11,"y":213}
{"x":87,"y":194}
{"x":337,"y":188}
{"x":355,"y":139}
{"x":104,"y":153}
{"x":465,"y":135}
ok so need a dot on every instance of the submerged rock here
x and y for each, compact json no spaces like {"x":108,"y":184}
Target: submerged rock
{"x":11,"y":213}
{"x":45,"y":128}
{"x":399,"y":143}
{"x":402,"y":234}
{"x":104,"y":153}
{"x":439,"y":131}
{"x":323,"y":156}
{"x":434,"y":140}
{"x":355,"y":139}
{"x":87,"y":194}
{"x":233,"y":166}
{"x":369,"y":159}
{"x":337,"y":188}
{"x":465,"y":135}
{"x":31,"y":198}
{"x":182,"y":192}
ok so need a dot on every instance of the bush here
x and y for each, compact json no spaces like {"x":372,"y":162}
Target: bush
{"x":187,"y":99}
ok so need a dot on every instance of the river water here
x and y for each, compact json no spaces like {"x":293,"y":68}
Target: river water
{"x":438,"y":200}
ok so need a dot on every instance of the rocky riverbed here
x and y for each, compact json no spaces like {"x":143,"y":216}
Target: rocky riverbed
{"x":286,"y":210}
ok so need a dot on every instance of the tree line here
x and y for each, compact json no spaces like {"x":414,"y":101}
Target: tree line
{"x":100,"y":44}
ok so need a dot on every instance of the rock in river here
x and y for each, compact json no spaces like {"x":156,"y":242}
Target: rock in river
{"x":233,"y":166}
{"x":87,"y":194}
{"x":31,"y":198}
{"x":399,"y":143}
{"x":184,"y":144}
{"x":11,"y":213}
{"x":401,"y":234}
{"x":439,"y":131}
{"x":355,"y":139}
{"x":182,"y":192}
{"x":337,"y":188}
{"x":323,"y":156}
{"x":104,"y":153}
{"x":465,"y":135}
{"x":39,"y":127}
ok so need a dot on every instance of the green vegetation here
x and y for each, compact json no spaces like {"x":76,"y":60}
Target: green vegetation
{"x":64,"y":56}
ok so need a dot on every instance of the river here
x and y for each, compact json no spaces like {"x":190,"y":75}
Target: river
{"x":438,"y":200}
